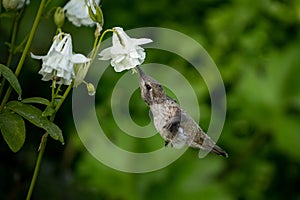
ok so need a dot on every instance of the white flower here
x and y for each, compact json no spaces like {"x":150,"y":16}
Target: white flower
{"x":125,"y":52}
{"x":59,"y":62}
{"x":14,"y":4}
{"x":77,"y":12}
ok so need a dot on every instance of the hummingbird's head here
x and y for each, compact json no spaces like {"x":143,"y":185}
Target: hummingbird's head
{"x":152,"y":91}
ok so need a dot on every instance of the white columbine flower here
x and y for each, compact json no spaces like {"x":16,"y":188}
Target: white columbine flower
{"x":125,"y":52}
{"x":14,"y":4}
{"x":77,"y":12}
{"x":59,"y":62}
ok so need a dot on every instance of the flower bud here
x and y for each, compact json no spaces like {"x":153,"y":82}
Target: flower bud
{"x":95,"y":13}
{"x":80,"y":72}
{"x":91,"y":89}
{"x":59,"y":17}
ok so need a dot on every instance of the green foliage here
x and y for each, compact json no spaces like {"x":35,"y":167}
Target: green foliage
{"x":38,"y":100}
{"x":255,"y":45}
{"x":34,"y":116}
{"x":13,"y":130}
{"x":11,"y":78}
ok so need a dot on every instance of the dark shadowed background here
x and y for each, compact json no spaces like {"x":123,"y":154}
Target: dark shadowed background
{"x":256,"y":46}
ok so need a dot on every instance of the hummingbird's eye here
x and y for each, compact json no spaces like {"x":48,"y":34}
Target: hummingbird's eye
{"x":148,"y":87}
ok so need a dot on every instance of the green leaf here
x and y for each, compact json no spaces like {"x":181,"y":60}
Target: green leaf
{"x":34,"y":115}
{"x":49,"y":111}
{"x":13,"y":130}
{"x":38,"y":100}
{"x":11,"y":78}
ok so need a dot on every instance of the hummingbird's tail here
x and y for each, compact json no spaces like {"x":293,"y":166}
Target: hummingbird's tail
{"x":204,"y":142}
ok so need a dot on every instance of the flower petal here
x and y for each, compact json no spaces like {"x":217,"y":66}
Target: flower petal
{"x":105,"y":54}
{"x":35,"y":56}
{"x":141,"y":41}
{"x":79,"y":58}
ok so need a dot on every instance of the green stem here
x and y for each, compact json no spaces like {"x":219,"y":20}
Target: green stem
{"x":26,"y":49}
{"x":97,"y":44}
{"x":37,"y":165}
{"x":64,"y":97}
{"x":52,"y":91}
{"x":13,"y":39}
{"x":45,"y":136}
{"x":57,"y":91}
{"x":43,"y":145}
{"x":12,"y":46}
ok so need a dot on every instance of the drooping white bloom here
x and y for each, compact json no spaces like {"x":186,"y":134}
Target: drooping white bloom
{"x":77,"y":12}
{"x":14,"y":4}
{"x":125,"y":52}
{"x":59,"y":62}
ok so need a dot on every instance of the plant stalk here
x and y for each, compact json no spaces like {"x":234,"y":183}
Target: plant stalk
{"x":38,"y":164}
{"x":43,"y":144}
{"x":26,"y":49}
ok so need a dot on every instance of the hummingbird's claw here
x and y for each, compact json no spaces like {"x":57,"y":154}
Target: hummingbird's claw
{"x":166,"y":143}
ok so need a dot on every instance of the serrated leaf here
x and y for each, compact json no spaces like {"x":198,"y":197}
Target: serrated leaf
{"x":11,"y":78}
{"x":38,"y":100}
{"x":13,"y":130}
{"x":34,"y":115}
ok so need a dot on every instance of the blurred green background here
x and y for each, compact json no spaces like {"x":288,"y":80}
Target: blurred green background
{"x":256,"y":46}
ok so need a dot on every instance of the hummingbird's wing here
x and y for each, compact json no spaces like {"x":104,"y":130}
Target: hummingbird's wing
{"x":177,"y":135}
{"x":175,"y":116}
{"x":174,"y":123}
{"x":171,"y":99}
{"x":151,"y":115}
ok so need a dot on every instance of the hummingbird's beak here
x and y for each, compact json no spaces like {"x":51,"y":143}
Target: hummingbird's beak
{"x":141,"y":73}
{"x":145,"y":78}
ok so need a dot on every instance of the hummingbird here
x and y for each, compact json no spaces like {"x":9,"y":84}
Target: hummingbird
{"x":172,"y":122}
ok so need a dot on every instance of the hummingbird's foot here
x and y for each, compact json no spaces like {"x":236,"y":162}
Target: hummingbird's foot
{"x":166,"y":143}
